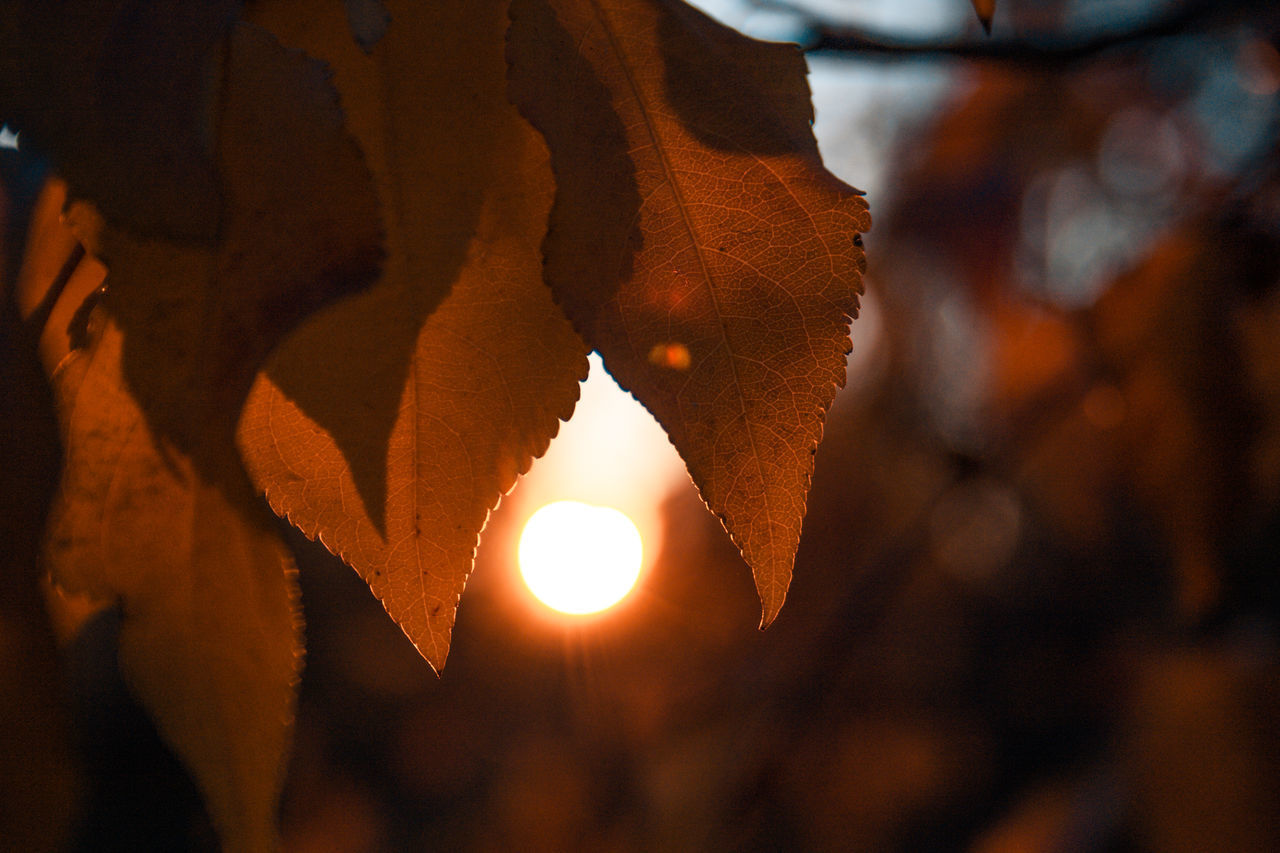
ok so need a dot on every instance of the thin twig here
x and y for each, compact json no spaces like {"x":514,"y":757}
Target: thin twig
{"x":824,"y":36}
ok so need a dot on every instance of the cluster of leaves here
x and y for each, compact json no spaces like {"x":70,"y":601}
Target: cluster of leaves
{"x":1004,"y":640}
{"x":354,"y":258}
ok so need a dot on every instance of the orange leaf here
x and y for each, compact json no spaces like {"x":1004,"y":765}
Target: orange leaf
{"x":698,"y":243}
{"x":210,"y":642}
{"x":390,"y":425}
{"x":154,"y":507}
{"x":53,"y":255}
{"x":986,"y":10}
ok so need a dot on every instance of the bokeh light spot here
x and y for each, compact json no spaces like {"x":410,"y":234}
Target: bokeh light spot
{"x":674,"y":356}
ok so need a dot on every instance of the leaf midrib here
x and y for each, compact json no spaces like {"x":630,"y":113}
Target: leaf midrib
{"x":681,"y":205}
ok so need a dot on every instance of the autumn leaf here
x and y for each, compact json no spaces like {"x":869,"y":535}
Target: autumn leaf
{"x":116,"y":92}
{"x":986,"y":10}
{"x":698,"y":243}
{"x":210,"y":642}
{"x":154,"y":507}
{"x":55,"y":281}
{"x":1187,"y":418}
{"x":389,"y":426}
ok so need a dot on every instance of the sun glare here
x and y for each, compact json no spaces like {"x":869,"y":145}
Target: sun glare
{"x":578,"y":558}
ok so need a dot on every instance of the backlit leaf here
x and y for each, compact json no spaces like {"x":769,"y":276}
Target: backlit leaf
{"x":210,"y":642}
{"x":698,"y":243}
{"x":390,"y":425}
{"x":56,"y":278}
{"x":154,"y":508}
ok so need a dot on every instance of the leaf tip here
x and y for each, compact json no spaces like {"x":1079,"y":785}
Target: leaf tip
{"x":435,"y":658}
{"x":985,"y":10}
{"x":369,"y":21}
{"x":770,"y":607}
{"x":435,"y":649}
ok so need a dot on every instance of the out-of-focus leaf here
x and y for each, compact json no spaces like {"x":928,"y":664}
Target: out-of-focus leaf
{"x":986,"y":10}
{"x":368,"y":20}
{"x":56,"y":278}
{"x":54,"y":291}
{"x":698,"y":243}
{"x":1144,"y":402}
{"x":154,"y":507}
{"x":389,"y":426}
{"x":120,"y":94}
{"x":1188,"y":418}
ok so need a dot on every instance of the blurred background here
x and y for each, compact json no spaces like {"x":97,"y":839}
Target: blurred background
{"x":1037,"y":600}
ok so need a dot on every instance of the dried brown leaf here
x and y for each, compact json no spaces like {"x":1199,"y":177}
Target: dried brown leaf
{"x":694,"y":218}
{"x":154,"y":507}
{"x":389,"y":426}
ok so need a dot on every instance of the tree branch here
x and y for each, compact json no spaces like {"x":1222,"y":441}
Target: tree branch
{"x":1060,"y":50}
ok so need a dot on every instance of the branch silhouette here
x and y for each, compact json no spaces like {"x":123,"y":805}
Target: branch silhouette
{"x":821,"y":35}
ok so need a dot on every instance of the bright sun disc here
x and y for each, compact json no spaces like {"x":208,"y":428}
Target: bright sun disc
{"x":577,"y":558}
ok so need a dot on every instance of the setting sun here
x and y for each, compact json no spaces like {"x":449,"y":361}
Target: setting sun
{"x":578,"y":558}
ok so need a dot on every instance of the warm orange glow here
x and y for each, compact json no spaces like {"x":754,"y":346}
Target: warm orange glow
{"x":612,"y":454}
{"x":578,"y":558}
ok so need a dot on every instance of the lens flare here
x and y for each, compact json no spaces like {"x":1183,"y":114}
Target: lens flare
{"x":577,"y":558}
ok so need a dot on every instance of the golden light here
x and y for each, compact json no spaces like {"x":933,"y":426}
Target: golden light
{"x":611,"y":454}
{"x":578,"y":558}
